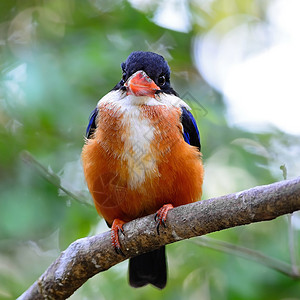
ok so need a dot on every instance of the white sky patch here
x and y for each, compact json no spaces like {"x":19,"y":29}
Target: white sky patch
{"x":174,"y":15}
{"x":265,"y":89}
{"x":171,"y":14}
{"x":255,"y":66}
{"x":12,"y":90}
{"x":143,"y":5}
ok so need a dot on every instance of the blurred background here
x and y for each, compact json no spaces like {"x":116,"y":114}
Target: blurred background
{"x":236,"y":62}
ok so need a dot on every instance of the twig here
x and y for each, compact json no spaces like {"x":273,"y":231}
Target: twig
{"x":258,"y":257}
{"x":292,"y":246}
{"x":50,"y":176}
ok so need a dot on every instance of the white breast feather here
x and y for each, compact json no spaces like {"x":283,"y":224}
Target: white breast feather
{"x":140,"y":160}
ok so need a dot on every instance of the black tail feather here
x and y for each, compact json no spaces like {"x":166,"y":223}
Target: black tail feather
{"x":147,"y":268}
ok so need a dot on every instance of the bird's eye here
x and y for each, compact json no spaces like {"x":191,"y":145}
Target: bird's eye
{"x":161,"y":80}
{"x":124,"y":76}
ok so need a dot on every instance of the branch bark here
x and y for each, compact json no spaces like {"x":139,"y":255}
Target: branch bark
{"x":88,"y":256}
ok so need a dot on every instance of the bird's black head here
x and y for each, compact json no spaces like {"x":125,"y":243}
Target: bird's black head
{"x":152,"y":64}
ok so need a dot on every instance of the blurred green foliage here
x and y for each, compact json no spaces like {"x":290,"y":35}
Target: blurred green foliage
{"x":57,"y":59}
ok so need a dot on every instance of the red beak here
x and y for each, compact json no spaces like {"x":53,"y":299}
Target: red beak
{"x":140,"y":84}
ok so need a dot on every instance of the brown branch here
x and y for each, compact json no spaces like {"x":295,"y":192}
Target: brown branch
{"x":88,"y":256}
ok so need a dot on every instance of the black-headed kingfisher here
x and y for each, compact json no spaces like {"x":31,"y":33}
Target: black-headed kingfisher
{"x":142,"y":155}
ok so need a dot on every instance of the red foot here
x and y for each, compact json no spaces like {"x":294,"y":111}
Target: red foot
{"x":161,"y":216}
{"x":116,"y":228}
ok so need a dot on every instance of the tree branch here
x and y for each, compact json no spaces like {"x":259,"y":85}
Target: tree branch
{"x":88,"y":256}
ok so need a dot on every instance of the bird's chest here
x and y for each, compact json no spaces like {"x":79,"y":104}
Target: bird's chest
{"x":139,"y":138}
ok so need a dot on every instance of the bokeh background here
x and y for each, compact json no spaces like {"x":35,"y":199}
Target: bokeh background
{"x":236,"y":62}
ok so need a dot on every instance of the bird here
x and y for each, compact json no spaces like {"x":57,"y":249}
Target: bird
{"x":142,"y":156}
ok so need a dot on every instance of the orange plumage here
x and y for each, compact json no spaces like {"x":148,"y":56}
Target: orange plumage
{"x":177,"y":178}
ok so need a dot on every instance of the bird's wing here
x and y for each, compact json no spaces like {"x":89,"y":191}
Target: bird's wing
{"x":92,"y":123}
{"x":190,"y":130}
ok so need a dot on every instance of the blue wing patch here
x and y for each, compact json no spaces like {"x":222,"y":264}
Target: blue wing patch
{"x":190,"y":130}
{"x":92,"y":123}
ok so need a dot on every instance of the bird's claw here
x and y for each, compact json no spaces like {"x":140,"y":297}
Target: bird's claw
{"x":116,"y":228}
{"x":119,"y":251}
{"x":161,"y":216}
